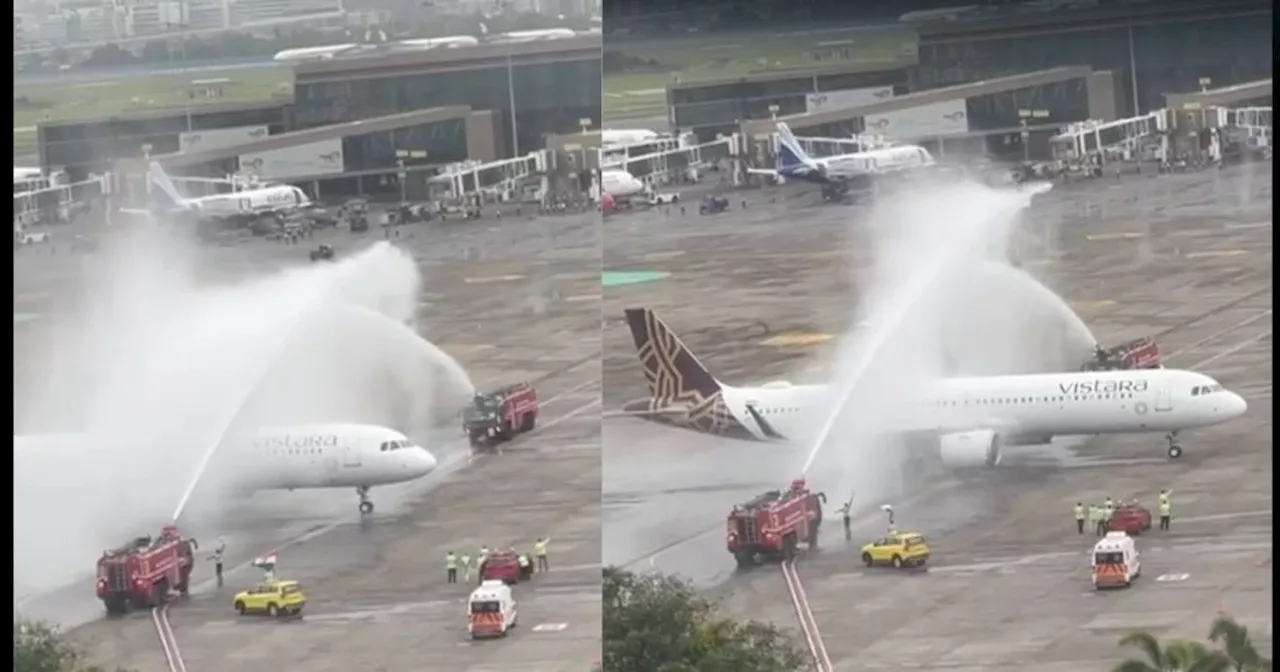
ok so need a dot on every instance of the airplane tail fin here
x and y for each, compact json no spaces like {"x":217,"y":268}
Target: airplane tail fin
{"x":673,"y":373}
{"x":161,"y":179}
{"x":790,"y":154}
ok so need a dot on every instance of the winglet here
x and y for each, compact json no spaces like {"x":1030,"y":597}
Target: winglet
{"x":673,"y":373}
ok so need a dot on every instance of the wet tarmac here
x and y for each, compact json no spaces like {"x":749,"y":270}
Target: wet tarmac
{"x":512,"y":299}
{"x":1186,"y":258}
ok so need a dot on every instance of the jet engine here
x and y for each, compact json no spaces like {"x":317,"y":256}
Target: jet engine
{"x":970,"y":449}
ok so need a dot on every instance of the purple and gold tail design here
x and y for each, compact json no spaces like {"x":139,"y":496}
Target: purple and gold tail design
{"x":684,"y":393}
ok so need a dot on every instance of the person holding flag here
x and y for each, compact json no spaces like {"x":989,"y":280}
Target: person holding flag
{"x":267,"y":564}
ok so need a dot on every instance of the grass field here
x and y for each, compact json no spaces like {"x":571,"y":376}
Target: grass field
{"x":81,"y":100}
{"x":643,"y":94}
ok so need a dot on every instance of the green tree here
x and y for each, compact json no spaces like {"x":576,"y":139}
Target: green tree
{"x":1236,"y":644}
{"x":659,"y":623}
{"x":39,"y":647}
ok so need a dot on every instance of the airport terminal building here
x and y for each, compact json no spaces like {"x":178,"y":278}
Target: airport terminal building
{"x":1171,"y":46}
{"x":351,"y":121}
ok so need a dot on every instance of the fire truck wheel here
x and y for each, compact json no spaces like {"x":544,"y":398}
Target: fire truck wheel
{"x":366,"y":508}
{"x":744,"y":559}
{"x":897,"y":562}
{"x":1175,"y":451}
{"x":240,"y":608}
{"x":866,"y":559}
{"x":789,"y":547}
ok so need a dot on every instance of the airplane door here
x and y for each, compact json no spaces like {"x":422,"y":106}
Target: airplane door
{"x":1163,"y":400}
{"x":350,"y":458}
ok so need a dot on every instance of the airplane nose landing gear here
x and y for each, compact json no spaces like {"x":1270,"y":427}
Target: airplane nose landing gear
{"x":1175,"y":450}
{"x":366,"y":506}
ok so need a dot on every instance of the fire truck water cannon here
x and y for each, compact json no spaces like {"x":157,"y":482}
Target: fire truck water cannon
{"x":1139,"y":353}
{"x":772,"y":525}
{"x":141,"y":573}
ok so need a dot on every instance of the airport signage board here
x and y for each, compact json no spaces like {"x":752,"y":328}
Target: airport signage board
{"x":218,"y":138}
{"x":846,"y":98}
{"x":309,"y":160}
{"x":924,"y":121}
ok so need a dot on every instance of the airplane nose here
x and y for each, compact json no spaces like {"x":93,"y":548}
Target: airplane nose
{"x":422,"y":462}
{"x":1236,"y":405}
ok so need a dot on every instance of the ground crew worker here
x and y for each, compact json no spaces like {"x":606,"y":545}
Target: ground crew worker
{"x":451,"y":567}
{"x":1079,"y":518}
{"x":847,"y":519}
{"x":1100,"y":520}
{"x":216,"y":559}
{"x":1109,"y":507}
{"x":466,"y":568}
{"x":540,"y":553}
{"x":1164,"y":497}
{"x":1165,"y":509}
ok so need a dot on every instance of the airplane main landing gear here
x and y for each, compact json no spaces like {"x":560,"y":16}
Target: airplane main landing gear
{"x":1175,"y":450}
{"x":366,"y":506}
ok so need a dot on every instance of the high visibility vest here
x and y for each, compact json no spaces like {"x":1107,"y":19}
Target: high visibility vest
{"x":1164,"y":508}
{"x":1164,"y":500}
{"x":450,"y":561}
{"x":540,"y":549}
{"x":1095,"y":513}
{"x":466,"y":560}
{"x":523,"y":560}
{"x":1079,"y":512}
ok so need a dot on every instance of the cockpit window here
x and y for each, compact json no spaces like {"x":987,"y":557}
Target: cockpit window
{"x":1195,"y":391}
{"x":1201,"y":390}
{"x":395,"y":445}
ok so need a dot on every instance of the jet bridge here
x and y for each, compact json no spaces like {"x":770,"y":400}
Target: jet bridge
{"x":668,"y":165}
{"x":504,"y":177}
{"x":1253,"y":122}
{"x":58,"y":202}
{"x":824,"y":147}
{"x":617,"y":156}
{"x":1097,"y":142}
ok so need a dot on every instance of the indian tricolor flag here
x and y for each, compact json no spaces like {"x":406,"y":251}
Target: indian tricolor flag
{"x":266,"y":562}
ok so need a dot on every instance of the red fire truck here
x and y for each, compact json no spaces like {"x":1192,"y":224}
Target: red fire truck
{"x":141,"y":573}
{"x":500,"y":415}
{"x":771,"y":526}
{"x":1139,"y":353}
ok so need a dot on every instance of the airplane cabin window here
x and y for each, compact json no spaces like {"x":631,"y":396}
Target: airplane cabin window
{"x":382,"y":447}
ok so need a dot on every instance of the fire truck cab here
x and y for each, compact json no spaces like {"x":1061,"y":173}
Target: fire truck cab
{"x":772,"y":525}
{"x":1115,"y":561}
{"x":491,"y":610}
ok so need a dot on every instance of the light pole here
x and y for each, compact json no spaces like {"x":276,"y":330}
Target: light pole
{"x":1204,"y":83}
{"x":511,"y":102}
{"x":773,"y":112}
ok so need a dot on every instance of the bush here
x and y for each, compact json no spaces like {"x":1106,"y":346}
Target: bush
{"x":658,"y":623}
{"x":39,"y":647}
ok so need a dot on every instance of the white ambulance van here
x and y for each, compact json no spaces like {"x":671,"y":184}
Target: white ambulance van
{"x":1115,"y":561}
{"x":491,"y":610}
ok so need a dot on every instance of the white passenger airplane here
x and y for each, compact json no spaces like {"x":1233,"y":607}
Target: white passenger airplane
{"x":26,"y":174}
{"x":616,"y":137}
{"x":241,"y":206}
{"x":620,"y":184}
{"x":972,"y":419}
{"x":795,"y":163}
{"x":284,"y":458}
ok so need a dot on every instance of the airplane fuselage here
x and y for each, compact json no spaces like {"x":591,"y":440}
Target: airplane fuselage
{"x":1044,"y":405}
